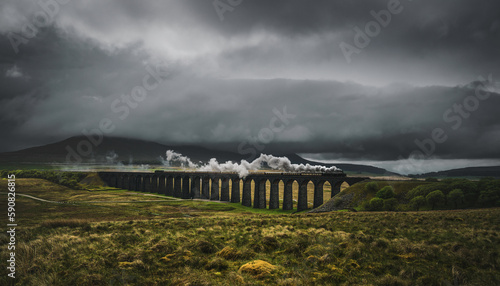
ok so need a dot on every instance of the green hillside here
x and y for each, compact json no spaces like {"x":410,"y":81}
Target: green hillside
{"x":416,"y":195}
{"x":360,"y":194}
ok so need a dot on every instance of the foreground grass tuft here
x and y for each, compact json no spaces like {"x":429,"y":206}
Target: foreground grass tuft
{"x":257,"y":268}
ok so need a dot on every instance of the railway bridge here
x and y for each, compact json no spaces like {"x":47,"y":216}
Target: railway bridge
{"x":216,"y":186}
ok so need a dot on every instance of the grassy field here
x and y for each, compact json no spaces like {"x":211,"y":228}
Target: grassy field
{"x":106,"y":236}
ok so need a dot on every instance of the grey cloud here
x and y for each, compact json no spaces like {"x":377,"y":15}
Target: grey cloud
{"x":228,"y":76}
{"x":298,"y":39}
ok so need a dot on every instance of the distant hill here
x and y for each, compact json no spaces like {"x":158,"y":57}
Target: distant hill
{"x":348,"y":168}
{"x":146,"y":152}
{"x":493,"y":171}
{"x":139,"y":151}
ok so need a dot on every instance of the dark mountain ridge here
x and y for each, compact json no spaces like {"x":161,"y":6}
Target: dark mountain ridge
{"x":136,"y":151}
{"x":127,"y":150}
{"x":123,"y":149}
{"x":490,"y":171}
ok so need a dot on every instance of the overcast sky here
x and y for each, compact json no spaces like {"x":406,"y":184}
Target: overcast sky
{"x":359,"y":80}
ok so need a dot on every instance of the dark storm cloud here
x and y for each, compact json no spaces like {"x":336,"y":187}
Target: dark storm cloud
{"x":228,"y":77}
{"x":62,"y":83}
{"x":431,"y":42}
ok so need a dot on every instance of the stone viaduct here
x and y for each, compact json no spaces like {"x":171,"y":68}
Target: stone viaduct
{"x":205,"y":185}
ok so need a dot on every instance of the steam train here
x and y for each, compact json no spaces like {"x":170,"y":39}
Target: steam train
{"x":327,"y":173}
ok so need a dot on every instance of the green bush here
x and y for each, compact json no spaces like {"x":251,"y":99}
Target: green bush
{"x":456,"y":197}
{"x":365,"y":206}
{"x":403,"y":208}
{"x":376,"y":204}
{"x":489,"y":198}
{"x":424,"y":190}
{"x":490,"y":192}
{"x":417,"y":202}
{"x":390,"y":204}
{"x":435,"y":198}
{"x":386,"y":192}
{"x":371,"y":187}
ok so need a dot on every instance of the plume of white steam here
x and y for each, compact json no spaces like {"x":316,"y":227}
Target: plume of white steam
{"x":177,"y":157}
{"x":163,"y":161}
{"x":144,"y":167}
{"x":244,"y":168}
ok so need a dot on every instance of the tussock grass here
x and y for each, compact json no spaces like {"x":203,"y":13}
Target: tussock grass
{"x":258,"y":268}
{"x":72,"y":223}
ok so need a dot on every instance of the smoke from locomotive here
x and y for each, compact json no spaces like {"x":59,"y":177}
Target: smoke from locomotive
{"x":244,"y":167}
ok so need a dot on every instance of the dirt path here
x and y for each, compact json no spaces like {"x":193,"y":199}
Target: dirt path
{"x":38,"y":199}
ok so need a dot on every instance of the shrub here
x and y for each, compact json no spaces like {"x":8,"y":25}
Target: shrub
{"x":403,"y":207}
{"x":424,"y":190}
{"x":376,"y":204}
{"x":417,"y":202}
{"x":490,"y":192}
{"x":489,"y":198}
{"x":390,"y":204}
{"x":371,"y":187}
{"x":431,"y":180}
{"x":365,"y":205}
{"x":435,"y":198}
{"x":386,"y":192}
{"x":456,"y":197}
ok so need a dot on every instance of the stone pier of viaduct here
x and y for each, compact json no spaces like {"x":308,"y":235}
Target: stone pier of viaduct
{"x":215,"y":186}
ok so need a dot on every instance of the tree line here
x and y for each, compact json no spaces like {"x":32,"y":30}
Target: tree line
{"x":434,"y":194}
